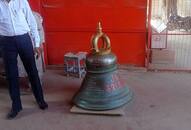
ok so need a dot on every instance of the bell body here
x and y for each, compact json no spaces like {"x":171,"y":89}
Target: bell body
{"x":102,"y":87}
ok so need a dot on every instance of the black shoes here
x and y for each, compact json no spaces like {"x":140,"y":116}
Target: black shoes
{"x":12,"y":114}
{"x":43,"y":105}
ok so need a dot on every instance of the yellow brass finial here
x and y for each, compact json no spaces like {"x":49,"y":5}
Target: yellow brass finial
{"x":99,"y":28}
{"x":106,"y":46}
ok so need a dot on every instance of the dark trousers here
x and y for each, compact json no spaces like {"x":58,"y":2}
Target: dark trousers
{"x":12,"y":47}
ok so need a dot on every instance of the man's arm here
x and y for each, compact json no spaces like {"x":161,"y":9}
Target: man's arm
{"x":32,"y":24}
{"x":39,"y":21}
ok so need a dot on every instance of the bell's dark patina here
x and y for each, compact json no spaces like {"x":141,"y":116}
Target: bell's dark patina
{"x":102,"y":88}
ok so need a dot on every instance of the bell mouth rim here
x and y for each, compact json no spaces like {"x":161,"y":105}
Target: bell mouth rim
{"x":106,"y":108}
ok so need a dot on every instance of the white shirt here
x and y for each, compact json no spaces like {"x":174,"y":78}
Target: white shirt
{"x":39,"y":21}
{"x":16,"y":18}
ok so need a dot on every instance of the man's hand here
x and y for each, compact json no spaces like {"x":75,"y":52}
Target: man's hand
{"x":38,"y":51}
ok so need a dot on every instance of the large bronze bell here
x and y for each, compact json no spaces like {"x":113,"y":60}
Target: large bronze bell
{"x":102,"y":88}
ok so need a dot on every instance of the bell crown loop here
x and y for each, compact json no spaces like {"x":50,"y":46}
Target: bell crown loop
{"x":106,"y":45}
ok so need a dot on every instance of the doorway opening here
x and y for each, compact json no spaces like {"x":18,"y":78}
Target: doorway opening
{"x":170,"y":35}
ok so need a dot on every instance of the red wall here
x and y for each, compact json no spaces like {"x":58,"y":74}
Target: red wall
{"x":69,"y":25}
{"x":35,"y":5}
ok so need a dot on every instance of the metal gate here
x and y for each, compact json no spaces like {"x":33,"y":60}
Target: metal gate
{"x":169,"y":45}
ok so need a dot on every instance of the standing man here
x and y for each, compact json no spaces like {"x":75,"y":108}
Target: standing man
{"x":17,"y":23}
{"x":39,"y":61}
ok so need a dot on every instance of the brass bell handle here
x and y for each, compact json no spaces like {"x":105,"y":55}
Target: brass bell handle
{"x":106,"y":45}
